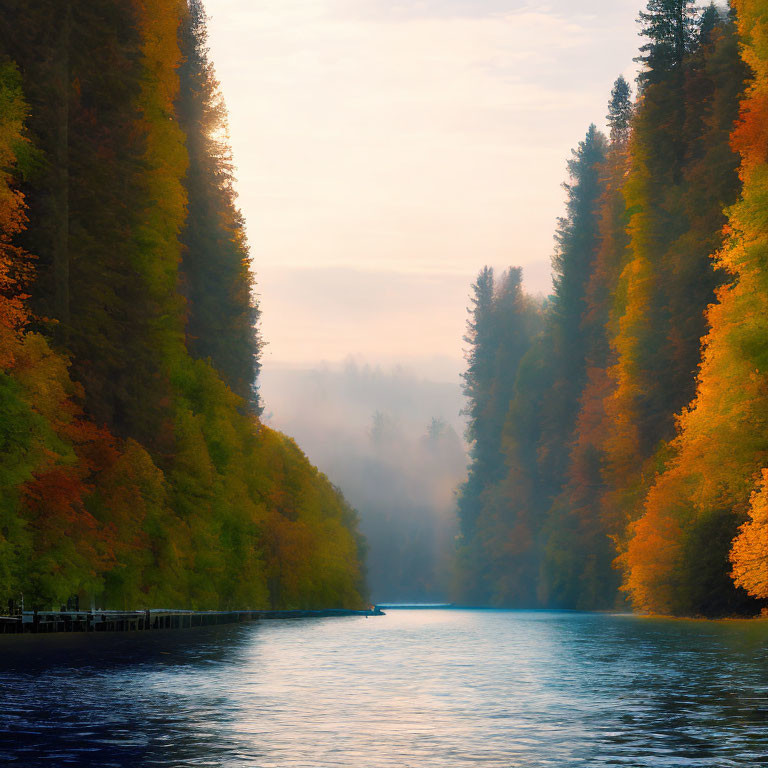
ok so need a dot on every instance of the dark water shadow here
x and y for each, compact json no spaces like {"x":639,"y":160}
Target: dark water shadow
{"x":121,"y":699}
{"x":34,"y":654}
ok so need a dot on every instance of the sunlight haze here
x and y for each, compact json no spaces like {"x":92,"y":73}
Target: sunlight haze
{"x":388,"y":150}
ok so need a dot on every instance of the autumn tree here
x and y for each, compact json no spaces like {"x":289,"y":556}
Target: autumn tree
{"x":590,"y":430}
{"x":682,"y":174}
{"x":132,"y":475}
{"x":677,"y":560}
{"x":749,"y":554}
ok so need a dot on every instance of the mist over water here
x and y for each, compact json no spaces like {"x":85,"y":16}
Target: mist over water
{"x":426,"y":689}
{"x":393,"y":443}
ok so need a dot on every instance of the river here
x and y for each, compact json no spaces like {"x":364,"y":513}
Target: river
{"x":446,"y":688}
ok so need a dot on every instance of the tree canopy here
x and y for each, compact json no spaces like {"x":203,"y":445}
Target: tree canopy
{"x":135,"y":470}
{"x":634,"y":453}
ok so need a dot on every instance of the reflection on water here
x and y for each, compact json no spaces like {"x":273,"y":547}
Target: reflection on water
{"x":414,"y":688}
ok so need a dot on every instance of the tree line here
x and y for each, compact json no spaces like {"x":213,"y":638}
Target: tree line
{"x":618,"y":427}
{"x":135,"y":471}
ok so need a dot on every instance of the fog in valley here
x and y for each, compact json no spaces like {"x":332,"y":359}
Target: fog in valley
{"x":393,"y":443}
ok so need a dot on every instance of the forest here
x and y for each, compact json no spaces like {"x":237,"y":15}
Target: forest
{"x":619,"y":427}
{"x":135,"y":469}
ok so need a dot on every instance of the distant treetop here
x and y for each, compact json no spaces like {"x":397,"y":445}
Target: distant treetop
{"x":671,"y":29}
{"x":620,"y":111}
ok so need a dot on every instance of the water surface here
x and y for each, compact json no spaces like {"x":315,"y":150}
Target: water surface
{"x":444,"y":688}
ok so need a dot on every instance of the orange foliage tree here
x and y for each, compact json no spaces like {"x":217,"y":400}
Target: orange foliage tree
{"x":677,"y":560}
{"x":748,"y":258}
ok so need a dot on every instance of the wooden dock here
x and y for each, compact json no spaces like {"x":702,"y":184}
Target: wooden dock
{"x":48,"y":622}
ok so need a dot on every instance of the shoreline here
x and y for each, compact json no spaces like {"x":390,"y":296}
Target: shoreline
{"x":29,"y":623}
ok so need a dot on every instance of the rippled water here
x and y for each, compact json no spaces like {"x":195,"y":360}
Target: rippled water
{"x":415,"y":688}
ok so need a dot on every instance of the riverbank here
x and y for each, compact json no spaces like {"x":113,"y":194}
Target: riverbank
{"x":57,"y":622}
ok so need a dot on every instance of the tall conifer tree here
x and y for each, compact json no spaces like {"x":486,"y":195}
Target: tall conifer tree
{"x":620,"y":111}
{"x":670,"y":28}
{"x":576,"y":246}
{"x":478,"y":381}
{"x":222,"y":313}
{"x":503,"y":322}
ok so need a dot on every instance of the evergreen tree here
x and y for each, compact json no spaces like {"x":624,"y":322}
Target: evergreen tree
{"x":578,"y":550}
{"x":576,"y":246}
{"x":567,"y":346}
{"x":502,"y":325}
{"x":84,"y":72}
{"x":221,"y":305}
{"x":682,"y":174}
{"x":670,"y":26}
{"x":710,"y":20}
{"x":478,"y":381}
{"x":620,"y":111}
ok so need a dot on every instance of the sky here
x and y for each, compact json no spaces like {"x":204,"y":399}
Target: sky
{"x":387,"y":149}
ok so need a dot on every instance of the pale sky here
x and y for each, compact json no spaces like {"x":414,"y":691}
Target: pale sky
{"x":388,"y":149}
